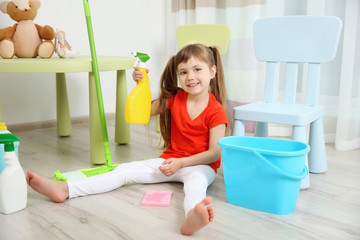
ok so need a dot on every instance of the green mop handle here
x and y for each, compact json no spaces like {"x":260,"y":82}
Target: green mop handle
{"x":95,"y":68}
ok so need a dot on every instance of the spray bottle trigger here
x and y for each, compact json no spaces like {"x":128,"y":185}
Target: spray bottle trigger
{"x":137,"y":61}
{"x":140,"y":59}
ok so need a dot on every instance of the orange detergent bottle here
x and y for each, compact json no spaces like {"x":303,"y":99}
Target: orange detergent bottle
{"x":138,"y":102}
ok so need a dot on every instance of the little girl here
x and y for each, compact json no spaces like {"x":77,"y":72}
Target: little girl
{"x":192,"y":120}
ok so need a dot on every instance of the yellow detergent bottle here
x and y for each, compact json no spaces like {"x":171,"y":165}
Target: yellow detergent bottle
{"x":138,"y":102}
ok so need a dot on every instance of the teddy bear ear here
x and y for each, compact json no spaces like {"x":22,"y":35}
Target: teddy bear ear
{"x":3,"y":6}
{"x":35,"y":3}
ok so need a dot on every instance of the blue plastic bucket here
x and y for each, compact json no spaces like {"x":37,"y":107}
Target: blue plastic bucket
{"x":263,"y":174}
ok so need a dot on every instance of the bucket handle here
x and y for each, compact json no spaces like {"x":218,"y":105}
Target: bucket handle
{"x":304,"y":173}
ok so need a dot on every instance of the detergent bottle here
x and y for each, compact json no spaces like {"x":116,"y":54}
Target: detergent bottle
{"x":4,"y":130}
{"x":138,"y":102}
{"x":13,"y":189}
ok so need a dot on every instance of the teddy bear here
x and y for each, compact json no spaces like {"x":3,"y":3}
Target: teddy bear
{"x":25,"y":39}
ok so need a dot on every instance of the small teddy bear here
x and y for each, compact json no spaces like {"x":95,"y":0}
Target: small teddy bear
{"x":25,"y":39}
{"x":62,"y":47}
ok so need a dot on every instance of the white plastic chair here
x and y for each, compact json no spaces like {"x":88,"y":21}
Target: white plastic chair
{"x":293,"y":40}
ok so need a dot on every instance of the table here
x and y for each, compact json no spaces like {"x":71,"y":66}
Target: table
{"x":60,"y":66}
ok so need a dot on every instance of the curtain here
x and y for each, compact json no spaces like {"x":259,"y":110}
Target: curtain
{"x":340,"y":79}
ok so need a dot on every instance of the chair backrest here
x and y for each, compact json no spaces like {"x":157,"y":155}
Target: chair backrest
{"x":294,"y":40}
{"x":208,"y":34}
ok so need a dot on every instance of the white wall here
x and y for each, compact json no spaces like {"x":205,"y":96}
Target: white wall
{"x":120,"y":27}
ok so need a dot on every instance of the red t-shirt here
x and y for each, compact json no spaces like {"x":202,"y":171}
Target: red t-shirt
{"x":189,"y":137}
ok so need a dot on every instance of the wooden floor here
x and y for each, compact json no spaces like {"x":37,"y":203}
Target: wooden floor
{"x":330,"y":209}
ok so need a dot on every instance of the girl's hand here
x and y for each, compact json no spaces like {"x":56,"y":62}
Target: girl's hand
{"x":170,"y":166}
{"x":137,"y":75}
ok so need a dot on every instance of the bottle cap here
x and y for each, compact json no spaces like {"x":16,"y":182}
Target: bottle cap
{"x":3,"y":127}
{"x":8,"y":140}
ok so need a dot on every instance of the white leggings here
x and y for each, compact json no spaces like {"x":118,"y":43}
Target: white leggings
{"x":196,"y":180}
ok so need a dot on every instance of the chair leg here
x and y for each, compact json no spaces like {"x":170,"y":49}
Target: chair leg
{"x":261,"y":129}
{"x":317,"y":155}
{"x":239,"y":128}
{"x":299,"y":134}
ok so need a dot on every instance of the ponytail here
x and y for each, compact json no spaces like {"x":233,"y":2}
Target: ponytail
{"x":217,"y":84}
{"x":168,"y":88}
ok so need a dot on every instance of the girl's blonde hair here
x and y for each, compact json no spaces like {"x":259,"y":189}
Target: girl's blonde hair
{"x":169,"y":81}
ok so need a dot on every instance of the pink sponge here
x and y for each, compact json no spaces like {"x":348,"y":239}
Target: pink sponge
{"x":157,"y":198}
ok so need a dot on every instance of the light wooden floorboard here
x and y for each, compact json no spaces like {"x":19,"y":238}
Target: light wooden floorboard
{"x":330,"y":209}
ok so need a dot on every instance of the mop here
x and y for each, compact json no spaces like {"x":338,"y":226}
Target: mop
{"x":84,"y":173}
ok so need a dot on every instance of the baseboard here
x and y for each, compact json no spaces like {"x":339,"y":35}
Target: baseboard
{"x":52,"y":123}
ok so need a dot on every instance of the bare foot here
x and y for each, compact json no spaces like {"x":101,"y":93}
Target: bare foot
{"x":198,"y":217}
{"x":55,"y":190}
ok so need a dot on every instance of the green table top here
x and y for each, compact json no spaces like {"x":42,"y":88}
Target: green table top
{"x":64,"y":65}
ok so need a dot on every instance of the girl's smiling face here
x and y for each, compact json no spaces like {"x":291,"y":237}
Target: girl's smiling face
{"x":195,"y":76}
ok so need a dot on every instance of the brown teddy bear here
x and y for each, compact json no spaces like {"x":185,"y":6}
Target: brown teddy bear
{"x":25,"y":39}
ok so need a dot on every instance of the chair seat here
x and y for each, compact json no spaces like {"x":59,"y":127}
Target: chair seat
{"x":291,"y":114}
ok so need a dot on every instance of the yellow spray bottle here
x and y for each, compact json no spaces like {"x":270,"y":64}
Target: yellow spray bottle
{"x":138,"y":102}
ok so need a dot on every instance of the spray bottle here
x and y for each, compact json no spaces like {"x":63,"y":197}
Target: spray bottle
{"x":13,"y":189}
{"x":138,"y":102}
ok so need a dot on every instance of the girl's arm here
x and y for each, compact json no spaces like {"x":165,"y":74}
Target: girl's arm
{"x":209,"y":156}
{"x":155,"y":107}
